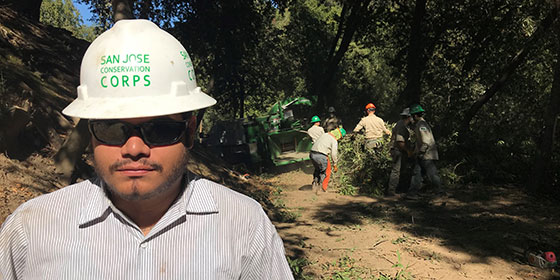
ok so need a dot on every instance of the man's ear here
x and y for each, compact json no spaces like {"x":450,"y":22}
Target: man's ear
{"x":189,"y":140}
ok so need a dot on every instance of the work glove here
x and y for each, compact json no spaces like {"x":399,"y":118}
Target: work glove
{"x":335,"y":168}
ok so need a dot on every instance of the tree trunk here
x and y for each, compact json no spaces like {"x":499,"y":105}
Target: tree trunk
{"x":414,"y":65}
{"x":14,"y":124}
{"x":69,"y":155}
{"x":506,"y":73}
{"x":71,"y":151}
{"x":341,"y":24}
{"x":242,"y":98}
{"x":201,"y":112}
{"x":542,"y":175}
{"x":357,"y":13}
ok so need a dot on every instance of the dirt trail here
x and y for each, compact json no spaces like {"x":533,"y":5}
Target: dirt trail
{"x":468,"y":235}
{"x":475,"y":233}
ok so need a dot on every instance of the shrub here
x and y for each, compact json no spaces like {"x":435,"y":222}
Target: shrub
{"x":363,"y":170}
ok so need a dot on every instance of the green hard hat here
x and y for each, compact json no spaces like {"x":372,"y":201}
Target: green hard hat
{"x":343,"y":132}
{"x":315,"y":119}
{"x":415,"y":109}
{"x":338,"y":133}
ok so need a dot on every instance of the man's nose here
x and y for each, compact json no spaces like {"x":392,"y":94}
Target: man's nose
{"x":135,"y":148}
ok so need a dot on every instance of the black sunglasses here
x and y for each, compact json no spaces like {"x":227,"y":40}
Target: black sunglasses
{"x":157,"y":132}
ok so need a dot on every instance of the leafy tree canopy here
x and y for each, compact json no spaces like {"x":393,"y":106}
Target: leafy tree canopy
{"x":63,"y":14}
{"x":443,"y":54}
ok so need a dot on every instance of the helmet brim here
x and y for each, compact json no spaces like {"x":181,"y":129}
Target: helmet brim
{"x":137,"y":107}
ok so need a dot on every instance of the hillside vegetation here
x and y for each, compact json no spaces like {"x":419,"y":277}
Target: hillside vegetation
{"x":39,"y":73}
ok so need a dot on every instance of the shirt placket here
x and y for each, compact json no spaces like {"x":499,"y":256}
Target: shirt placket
{"x":144,"y":257}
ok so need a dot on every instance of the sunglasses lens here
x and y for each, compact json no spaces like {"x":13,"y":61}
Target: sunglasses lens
{"x":111,"y":133}
{"x":162,"y":132}
{"x":155,"y":133}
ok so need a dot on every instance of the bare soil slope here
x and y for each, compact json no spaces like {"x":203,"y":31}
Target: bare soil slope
{"x":39,"y":73}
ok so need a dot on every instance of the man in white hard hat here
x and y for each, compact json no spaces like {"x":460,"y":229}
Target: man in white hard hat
{"x":144,"y":217}
{"x":400,"y":150}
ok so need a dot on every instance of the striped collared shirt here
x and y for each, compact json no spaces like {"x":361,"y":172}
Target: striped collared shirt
{"x":209,"y":232}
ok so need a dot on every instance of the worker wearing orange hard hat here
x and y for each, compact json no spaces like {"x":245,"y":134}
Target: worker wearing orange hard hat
{"x":374,"y":127}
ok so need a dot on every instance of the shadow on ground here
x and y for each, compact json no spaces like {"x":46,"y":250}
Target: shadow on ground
{"x":482,"y":221}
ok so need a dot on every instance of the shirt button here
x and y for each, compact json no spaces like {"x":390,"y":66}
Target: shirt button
{"x":143,"y":245}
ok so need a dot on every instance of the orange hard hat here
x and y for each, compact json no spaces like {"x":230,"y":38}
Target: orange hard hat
{"x":370,"y":106}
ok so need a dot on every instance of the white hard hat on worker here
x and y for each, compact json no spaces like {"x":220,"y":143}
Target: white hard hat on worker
{"x":135,"y":69}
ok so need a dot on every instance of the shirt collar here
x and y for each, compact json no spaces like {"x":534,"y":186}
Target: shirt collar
{"x":96,"y":205}
{"x":196,"y":199}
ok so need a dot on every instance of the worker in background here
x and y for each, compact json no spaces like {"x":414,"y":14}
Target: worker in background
{"x":315,"y":130}
{"x":374,"y":127}
{"x":425,"y":154}
{"x":400,"y":151}
{"x":332,"y":121}
{"x":144,"y":216}
{"x":325,"y":146}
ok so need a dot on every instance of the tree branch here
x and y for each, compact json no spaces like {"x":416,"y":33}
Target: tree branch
{"x":506,"y":74}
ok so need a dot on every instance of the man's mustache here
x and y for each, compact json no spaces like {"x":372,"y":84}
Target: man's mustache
{"x":117,"y":165}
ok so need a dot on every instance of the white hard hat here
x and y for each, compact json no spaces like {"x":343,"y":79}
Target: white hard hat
{"x":405,"y":112}
{"x":135,"y":69}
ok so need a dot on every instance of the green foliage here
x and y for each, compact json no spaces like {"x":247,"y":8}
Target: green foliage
{"x":399,"y":240}
{"x":490,"y":160}
{"x":401,"y":274}
{"x":63,"y":14}
{"x":259,"y":52}
{"x":449,"y":175}
{"x":469,"y":60}
{"x":312,"y":29}
{"x":297,"y":266}
{"x":283,"y":214}
{"x":366,"y":76}
{"x":345,"y":268}
{"x":362,"y":170}
{"x":234,"y":54}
